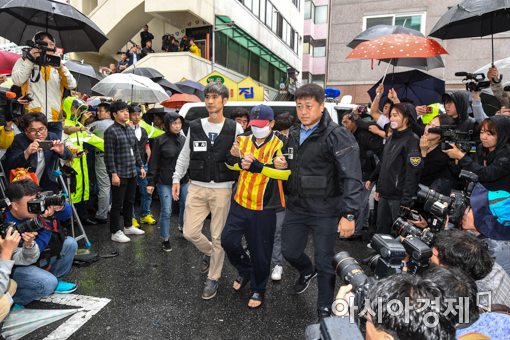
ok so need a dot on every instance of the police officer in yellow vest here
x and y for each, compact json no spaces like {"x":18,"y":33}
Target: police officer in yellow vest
{"x":75,"y":112}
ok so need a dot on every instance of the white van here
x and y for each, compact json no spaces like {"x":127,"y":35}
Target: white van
{"x":192,"y":111}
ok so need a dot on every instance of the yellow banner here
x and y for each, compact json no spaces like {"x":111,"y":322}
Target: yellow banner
{"x":217,"y":77}
{"x":250,"y":90}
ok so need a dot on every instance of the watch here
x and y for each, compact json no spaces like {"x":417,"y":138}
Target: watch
{"x":349,"y":217}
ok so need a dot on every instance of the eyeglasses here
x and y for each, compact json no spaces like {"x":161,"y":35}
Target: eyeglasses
{"x":37,"y":131}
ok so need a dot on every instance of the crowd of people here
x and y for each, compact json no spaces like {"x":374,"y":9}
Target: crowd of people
{"x":267,"y":181}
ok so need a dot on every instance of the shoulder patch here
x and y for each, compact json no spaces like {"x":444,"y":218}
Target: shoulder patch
{"x":415,"y":161}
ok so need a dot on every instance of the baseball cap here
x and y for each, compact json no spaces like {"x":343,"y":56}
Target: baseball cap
{"x":261,"y":115}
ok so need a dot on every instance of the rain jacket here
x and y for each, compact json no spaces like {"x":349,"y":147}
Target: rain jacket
{"x":51,"y":85}
{"x":492,"y":168}
{"x":461,"y":99}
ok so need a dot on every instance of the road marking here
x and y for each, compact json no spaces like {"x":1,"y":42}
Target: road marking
{"x":90,"y":306}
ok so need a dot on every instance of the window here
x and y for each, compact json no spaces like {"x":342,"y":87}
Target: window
{"x":415,"y":21}
{"x":248,"y":4}
{"x":255,"y":9}
{"x":307,"y":46}
{"x":319,"y":48}
{"x":319,"y":79}
{"x":279,"y":25}
{"x":254,"y":66}
{"x":296,"y":3}
{"x":321,"y":15}
{"x":269,"y":15}
{"x":309,"y":9}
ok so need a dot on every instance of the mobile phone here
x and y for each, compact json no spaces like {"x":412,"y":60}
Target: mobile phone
{"x":46,"y":144}
{"x":429,"y":109}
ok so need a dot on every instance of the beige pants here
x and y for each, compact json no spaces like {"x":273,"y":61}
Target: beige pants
{"x":6,"y":301}
{"x":199,"y":203}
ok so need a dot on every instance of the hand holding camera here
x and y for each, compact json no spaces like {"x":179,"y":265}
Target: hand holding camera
{"x":9,"y":243}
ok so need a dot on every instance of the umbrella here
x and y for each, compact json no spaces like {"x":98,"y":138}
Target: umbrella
{"x":394,"y":46}
{"x":503,"y":66}
{"x":421,"y":88}
{"x":179,"y":99}
{"x":168,"y":85}
{"x":128,"y":86}
{"x":490,"y":103}
{"x":474,"y":18}
{"x":85,"y":75}
{"x":7,"y":61}
{"x":73,"y":31}
{"x":155,"y":76}
{"x":190,"y":86}
{"x":378,"y":31}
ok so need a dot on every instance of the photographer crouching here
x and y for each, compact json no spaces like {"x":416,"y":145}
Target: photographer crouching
{"x":43,"y":213}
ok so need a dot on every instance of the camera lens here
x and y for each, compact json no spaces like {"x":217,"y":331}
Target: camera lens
{"x":29,"y":226}
{"x":55,"y":200}
{"x":349,"y":270}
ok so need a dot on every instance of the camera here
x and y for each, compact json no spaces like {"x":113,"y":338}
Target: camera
{"x":388,"y":260}
{"x":44,"y":59}
{"x":27,"y":226}
{"x":460,"y":199}
{"x":9,"y":107}
{"x":474,"y":81}
{"x":463,"y":140}
{"x":405,"y":229}
{"x":45,"y":199}
{"x":437,"y":205}
{"x":419,"y":253}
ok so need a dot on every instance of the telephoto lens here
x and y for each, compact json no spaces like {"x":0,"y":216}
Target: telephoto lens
{"x":349,"y":270}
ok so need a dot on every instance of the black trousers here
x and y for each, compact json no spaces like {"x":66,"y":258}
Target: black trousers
{"x":387,"y":212}
{"x":294,"y":240}
{"x":258,"y":228}
{"x":123,"y":197}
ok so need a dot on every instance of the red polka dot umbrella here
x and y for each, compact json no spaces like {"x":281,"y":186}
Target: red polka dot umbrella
{"x":394,"y":46}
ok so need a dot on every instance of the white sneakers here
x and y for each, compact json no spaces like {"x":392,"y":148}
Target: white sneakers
{"x":121,"y":237}
{"x":276,"y":275}
{"x":133,"y":231}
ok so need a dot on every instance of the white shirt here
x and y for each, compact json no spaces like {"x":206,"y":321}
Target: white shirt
{"x":138,"y":132}
{"x":41,"y":164}
{"x":212,"y":131}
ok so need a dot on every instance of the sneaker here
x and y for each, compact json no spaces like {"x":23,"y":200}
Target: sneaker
{"x":119,"y":236}
{"x":204,"y":264}
{"x":180,"y":228}
{"x":276,"y":275}
{"x":135,"y":223}
{"x":166,"y":246}
{"x":65,"y":287}
{"x":133,"y":231}
{"x":148,"y":220}
{"x":303,"y":282}
{"x":210,"y":289}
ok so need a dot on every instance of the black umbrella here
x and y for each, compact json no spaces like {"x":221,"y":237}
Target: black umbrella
{"x":382,"y":30}
{"x":421,"y":88}
{"x":474,"y":18}
{"x":490,"y":103}
{"x":192,"y":87}
{"x":168,"y":85}
{"x":148,"y":72}
{"x":73,"y":31}
{"x":85,"y":75}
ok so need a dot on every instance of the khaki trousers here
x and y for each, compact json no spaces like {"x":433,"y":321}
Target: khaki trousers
{"x":199,"y":203}
{"x":6,"y":301}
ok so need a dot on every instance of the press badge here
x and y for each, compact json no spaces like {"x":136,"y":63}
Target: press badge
{"x":290,"y":154}
{"x":199,"y":146}
{"x":132,"y":153}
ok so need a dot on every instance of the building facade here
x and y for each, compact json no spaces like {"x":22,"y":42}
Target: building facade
{"x":348,"y":18}
{"x":315,"y":41}
{"x":256,"y":38}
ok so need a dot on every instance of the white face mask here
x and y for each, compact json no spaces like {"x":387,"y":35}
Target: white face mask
{"x":261,"y":132}
{"x":394,"y":125}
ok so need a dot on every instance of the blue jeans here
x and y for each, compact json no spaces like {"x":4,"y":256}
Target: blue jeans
{"x":146,"y":199}
{"x":35,"y":283}
{"x":165,"y":197}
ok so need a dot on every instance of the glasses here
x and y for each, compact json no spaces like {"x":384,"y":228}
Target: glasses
{"x":37,"y":131}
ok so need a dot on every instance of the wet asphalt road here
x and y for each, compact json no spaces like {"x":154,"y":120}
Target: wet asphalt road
{"x":156,"y":295}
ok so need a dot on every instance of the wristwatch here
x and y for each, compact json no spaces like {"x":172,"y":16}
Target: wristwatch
{"x":349,"y":217}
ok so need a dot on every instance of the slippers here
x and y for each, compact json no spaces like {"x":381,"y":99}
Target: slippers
{"x":256,"y":296}
{"x":240,"y":282}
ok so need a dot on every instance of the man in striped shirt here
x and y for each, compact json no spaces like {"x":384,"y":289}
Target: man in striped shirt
{"x":253,"y":212}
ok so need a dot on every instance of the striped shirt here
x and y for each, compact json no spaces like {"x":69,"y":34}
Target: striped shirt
{"x":254,"y":190}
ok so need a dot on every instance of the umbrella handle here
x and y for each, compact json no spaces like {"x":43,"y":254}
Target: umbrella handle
{"x":386,"y":72}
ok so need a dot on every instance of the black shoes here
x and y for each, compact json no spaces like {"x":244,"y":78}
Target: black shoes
{"x":323,"y":312}
{"x":166,"y":246}
{"x":303,"y":282}
{"x":204,"y":263}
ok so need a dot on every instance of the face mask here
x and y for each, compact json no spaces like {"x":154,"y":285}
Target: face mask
{"x":261,"y":132}
{"x":394,"y":125}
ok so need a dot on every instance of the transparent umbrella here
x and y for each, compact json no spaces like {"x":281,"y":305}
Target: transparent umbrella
{"x":131,"y":87}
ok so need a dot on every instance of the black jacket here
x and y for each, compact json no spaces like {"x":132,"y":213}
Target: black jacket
{"x":398,"y":174}
{"x":15,"y":158}
{"x":463,"y":122}
{"x":492,"y":168}
{"x":165,"y":151}
{"x":370,"y":147}
{"x":144,"y":140}
{"x":436,"y":172}
{"x":326,"y":172}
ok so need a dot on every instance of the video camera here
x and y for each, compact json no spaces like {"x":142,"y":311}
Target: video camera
{"x":461,"y":199}
{"x":474,"y":81}
{"x":45,"y":199}
{"x":463,"y":140}
{"x":44,"y":59}
{"x":28,"y":226}
{"x":9,"y":106}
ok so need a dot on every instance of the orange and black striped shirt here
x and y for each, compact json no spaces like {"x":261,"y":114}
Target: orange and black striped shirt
{"x":256,"y":190}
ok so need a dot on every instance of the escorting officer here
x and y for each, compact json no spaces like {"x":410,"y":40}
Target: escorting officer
{"x":324,"y":192}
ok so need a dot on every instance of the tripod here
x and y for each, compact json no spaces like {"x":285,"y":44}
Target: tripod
{"x":66,"y":187}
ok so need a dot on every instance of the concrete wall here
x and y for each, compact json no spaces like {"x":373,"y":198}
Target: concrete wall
{"x":347,"y":21}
